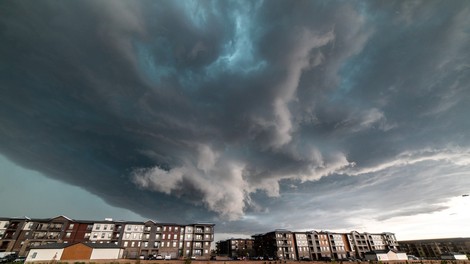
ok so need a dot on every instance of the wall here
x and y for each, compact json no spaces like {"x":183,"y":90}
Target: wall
{"x":106,"y":253}
{"x":44,"y":254}
{"x":77,"y":251}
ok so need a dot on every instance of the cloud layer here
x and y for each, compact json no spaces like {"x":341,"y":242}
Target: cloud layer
{"x":240,"y":110}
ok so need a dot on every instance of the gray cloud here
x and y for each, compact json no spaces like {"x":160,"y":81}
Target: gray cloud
{"x":213,"y":109}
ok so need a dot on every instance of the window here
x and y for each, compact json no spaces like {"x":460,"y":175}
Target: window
{"x":147,"y":236}
{"x":134,"y":235}
{"x":169,"y":228}
{"x":176,"y":228}
{"x":163,"y":236}
{"x":125,"y":243}
{"x":157,"y":236}
{"x":105,"y":227}
{"x":175,"y":236}
{"x":87,"y":235}
{"x":95,"y":235}
{"x":71,"y":226}
{"x":102,"y":235}
{"x":67,"y":235}
{"x":128,"y":235}
{"x":174,"y":243}
{"x":164,"y":228}
{"x":146,"y":244}
{"x":138,"y":244}
{"x":109,"y":235}
{"x":98,"y":226}
{"x":132,"y":243}
{"x":34,"y":255}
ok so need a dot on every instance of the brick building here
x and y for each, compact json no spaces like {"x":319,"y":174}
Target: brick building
{"x":138,"y":239}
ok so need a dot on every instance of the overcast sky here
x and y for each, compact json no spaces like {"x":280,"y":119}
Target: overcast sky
{"x":253,"y":115}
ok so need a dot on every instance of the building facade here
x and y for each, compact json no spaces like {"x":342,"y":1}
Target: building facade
{"x":435,"y":248}
{"x":137,"y":239}
{"x":321,"y":245}
{"x":278,"y":244}
{"x":236,"y":248}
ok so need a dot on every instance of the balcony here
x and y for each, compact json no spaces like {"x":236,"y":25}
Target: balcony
{"x":12,"y":226}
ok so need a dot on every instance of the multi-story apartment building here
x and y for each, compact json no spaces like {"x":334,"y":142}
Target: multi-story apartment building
{"x":197,"y":240}
{"x":139,"y":239}
{"x":278,"y":244}
{"x":301,"y":245}
{"x":236,"y":248}
{"x":434,"y":248}
{"x":321,"y":245}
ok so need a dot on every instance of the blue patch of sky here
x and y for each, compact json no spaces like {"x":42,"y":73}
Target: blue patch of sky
{"x":354,"y":66}
{"x":196,"y":11}
{"x":238,"y":53}
{"x":348,"y":73}
{"x":153,"y":66}
{"x":40,"y":196}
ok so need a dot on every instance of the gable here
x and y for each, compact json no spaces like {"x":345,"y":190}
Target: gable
{"x":77,"y":251}
{"x":61,"y":218}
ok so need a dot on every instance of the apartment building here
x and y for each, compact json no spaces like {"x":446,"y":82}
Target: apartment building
{"x":302,"y":245}
{"x":197,"y":240}
{"x":435,"y":248}
{"x":278,"y":244}
{"x":321,"y":245}
{"x":138,"y":239}
{"x":236,"y":248}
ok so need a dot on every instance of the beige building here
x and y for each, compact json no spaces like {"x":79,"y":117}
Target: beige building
{"x":75,"y":251}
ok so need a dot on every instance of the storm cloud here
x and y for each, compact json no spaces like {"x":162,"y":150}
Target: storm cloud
{"x":240,"y":111}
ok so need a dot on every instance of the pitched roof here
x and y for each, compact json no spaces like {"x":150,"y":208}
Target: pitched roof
{"x":53,"y":246}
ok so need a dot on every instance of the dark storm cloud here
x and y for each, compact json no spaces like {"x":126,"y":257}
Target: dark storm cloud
{"x":236,"y":109}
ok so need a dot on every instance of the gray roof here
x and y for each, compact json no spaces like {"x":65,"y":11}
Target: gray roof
{"x":65,"y":245}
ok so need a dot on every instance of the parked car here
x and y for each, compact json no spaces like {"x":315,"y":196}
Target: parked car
{"x":9,"y":258}
{"x":20,"y":259}
{"x":159,"y":257}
